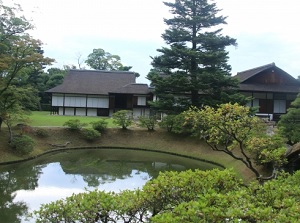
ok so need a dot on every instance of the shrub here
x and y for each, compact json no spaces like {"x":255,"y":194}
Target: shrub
{"x":122,"y":118}
{"x":177,"y":124}
{"x":168,"y":122}
{"x":74,"y":124}
{"x":100,"y":125}
{"x":41,"y":133}
{"x":90,"y":134}
{"x":23,"y":144}
{"x":148,"y":122}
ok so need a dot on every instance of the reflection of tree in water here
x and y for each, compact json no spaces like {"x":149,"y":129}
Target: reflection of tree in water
{"x":96,"y":171}
{"x":12,"y":179}
{"x":101,"y":170}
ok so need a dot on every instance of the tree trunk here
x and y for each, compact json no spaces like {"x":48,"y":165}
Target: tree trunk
{"x":1,"y":121}
{"x":10,"y":132}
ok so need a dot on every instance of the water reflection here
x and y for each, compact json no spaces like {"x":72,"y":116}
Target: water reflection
{"x":24,"y":186}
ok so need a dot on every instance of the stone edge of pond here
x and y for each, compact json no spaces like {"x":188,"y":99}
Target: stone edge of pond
{"x":109,"y":147}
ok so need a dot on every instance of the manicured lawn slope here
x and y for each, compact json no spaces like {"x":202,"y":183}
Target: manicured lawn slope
{"x":133,"y":138}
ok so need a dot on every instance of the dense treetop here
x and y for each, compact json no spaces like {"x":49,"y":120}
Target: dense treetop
{"x":195,"y":63}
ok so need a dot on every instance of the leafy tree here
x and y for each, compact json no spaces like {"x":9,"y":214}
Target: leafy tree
{"x":74,"y":124}
{"x":233,"y":129}
{"x":90,"y":134}
{"x":12,"y":106}
{"x":289,"y":123}
{"x":188,"y":196}
{"x":101,"y":60}
{"x":19,"y":54}
{"x":22,"y":144}
{"x":148,"y":122}
{"x":22,"y":53}
{"x":270,"y":202}
{"x":193,"y":70}
{"x":100,"y":125}
{"x":168,"y":122}
{"x":122,"y":118}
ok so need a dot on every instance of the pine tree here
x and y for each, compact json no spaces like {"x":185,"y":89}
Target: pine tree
{"x":196,"y":62}
{"x":289,"y":123}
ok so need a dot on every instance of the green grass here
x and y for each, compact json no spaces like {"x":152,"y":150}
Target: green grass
{"x":114,"y":136}
{"x":44,"y":118}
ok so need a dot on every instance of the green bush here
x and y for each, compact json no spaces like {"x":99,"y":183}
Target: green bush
{"x":177,"y":124}
{"x":123,"y":118}
{"x":90,"y":134}
{"x":168,"y":122}
{"x":74,"y":124}
{"x":189,"y":196}
{"x":148,"y":122}
{"x":22,"y":144}
{"x":100,"y":125}
{"x":41,"y":133}
{"x":289,"y":123}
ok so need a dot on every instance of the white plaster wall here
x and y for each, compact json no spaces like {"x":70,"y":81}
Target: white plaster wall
{"x":80,"y":111}
{"x":92,"y":112}
{"x":69,"y":111}
{"x":61,"y":111}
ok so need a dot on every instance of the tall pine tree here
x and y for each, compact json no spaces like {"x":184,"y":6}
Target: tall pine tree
{"x":194,"y":69}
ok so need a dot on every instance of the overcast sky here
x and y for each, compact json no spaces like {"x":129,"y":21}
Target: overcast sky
{"x":266,"y":31}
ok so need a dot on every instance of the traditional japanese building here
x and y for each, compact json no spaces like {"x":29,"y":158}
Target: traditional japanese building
{"x":272,"y":89}
{"x":100,"y":93}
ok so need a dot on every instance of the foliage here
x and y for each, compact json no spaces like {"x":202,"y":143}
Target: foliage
{"x":177,"y":124}
{"x":90,"y":134}
{"x":167,"y":122}
{"x":123,"y":118}
{"x":188,"y":196}
{"x":148,"y":122}
{"x":74,"y":124}
{"x":232,"y":129}
{"x":101,"y":60}
{"x":289,"y":123}
{"x":194,"y":69}
{"x":182,"y":126}
{"x":100,"y":125}
{"x":11,"y":114}
{"x":41,"y":133}
{"x":22,"y":144}
{"x":20,"y":54}
{"x":271,"y":202}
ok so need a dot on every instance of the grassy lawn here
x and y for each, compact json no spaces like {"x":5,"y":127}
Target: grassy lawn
{"x":44,"y":118}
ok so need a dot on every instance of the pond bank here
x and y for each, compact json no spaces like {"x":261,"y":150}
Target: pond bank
{"x":158,"y":140}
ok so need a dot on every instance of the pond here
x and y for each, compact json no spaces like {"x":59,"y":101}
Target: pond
{"x":25,"y":186}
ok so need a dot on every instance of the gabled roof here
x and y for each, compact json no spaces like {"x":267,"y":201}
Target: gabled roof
{"x":133,"y":89}
{"x":251,"y":80}
{"x":94,"y":82}
{"x":244,"y":75}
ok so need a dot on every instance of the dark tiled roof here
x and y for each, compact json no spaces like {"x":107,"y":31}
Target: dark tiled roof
{"x":93,"y":82}
{"x":270,"y":88}
{"x":244,"y":75}
{"x":133,"y":89}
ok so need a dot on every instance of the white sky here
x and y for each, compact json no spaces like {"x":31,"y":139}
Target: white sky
{"x":266,"y":30}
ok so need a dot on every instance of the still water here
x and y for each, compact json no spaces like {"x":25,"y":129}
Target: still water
{"x":25,"y":186}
